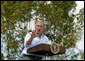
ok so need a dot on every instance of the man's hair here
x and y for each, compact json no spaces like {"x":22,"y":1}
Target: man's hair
{"x":41,"y":20}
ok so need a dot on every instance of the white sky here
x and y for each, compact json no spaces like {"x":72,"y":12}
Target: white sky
{"x":80,"y":4}
{"x":80,"y":44}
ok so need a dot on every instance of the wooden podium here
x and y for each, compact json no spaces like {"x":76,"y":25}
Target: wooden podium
{"x":45,"y":49}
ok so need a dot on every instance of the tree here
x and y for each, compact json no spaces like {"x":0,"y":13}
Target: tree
{"x":13,"y":12}
{"x":58,"y":19}
{"x":56,"y":15}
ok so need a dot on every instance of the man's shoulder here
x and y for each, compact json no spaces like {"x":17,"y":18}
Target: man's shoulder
{"x":45,"y":37}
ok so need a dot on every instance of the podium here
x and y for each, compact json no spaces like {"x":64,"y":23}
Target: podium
{"x":45,"y":49}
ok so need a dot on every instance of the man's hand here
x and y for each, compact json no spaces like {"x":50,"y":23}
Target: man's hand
{"x":33,"y":35}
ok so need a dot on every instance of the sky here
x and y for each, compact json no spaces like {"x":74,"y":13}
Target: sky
{"x":80,"y":4}
{"x":80,"y":44}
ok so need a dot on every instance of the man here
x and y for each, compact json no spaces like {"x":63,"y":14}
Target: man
{"x":32,"y":39}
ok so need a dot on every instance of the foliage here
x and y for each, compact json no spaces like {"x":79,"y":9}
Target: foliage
{"x":56,"y":15}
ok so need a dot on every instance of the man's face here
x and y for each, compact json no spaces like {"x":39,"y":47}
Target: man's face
{"x":39,"y":28}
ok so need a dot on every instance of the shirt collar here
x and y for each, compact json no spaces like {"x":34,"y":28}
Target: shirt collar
{"x":41,"y":35}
